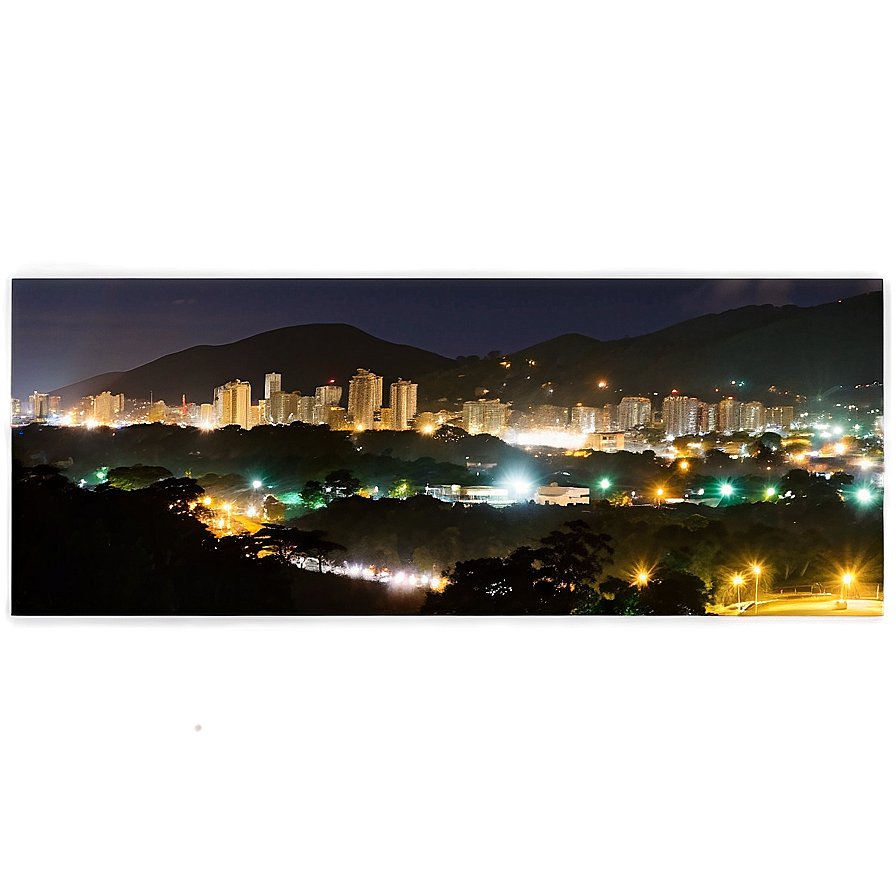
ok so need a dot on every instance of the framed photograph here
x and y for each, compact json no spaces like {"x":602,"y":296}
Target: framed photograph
{"x":447,"y":447}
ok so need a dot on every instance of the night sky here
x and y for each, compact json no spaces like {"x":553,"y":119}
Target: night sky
{"x":714,"y":142}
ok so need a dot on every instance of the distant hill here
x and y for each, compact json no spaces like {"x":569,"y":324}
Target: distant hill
{"x":306,"y":356}
{"x":809,"y":351}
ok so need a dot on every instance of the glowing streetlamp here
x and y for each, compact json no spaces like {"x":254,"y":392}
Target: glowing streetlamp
{"x":738,"y":582}
{"x":659,"y":497}
{"x":846,"y":581}
{"x":769,"y":493}
{"x":727,"y":490}
{"x":756,"y":572}
{"x":864,"y":495}
{"x":642,"y":577}
{"x":226,"y":508}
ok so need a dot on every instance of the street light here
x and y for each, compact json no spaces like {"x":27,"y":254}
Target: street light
{"x":738,"y":582}
{"x":844,"y":588}
{"x":756,"y":571}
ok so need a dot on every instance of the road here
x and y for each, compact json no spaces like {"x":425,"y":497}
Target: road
{"x":807,"y":605}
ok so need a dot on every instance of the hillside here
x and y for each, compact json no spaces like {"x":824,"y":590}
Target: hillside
{"x":807,"y":351}
{"x":307,"y":356}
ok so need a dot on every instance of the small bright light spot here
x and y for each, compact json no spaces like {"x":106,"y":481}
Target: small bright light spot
{"x":769,"y":492}
{"x":427,"y":429}
{"x":602,"y":384}
{"x":206,"y":500}
{"x":864,"y":495}
{"x":521,"y":487}
{"x":251,"y":511}
{"x":605,"y":483}
{"x":659,"y":491}
{"x":727,"y":490}
{"x":226,"y":508}
{"x":847,"y":578}
{"x":256,"y":483}
{"x":684,"y":465}
{"x":757,"y":570}
{"x":737,"y":581}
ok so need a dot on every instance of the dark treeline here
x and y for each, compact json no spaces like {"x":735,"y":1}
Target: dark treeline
{"x":142,"y":552}
{"x":799,"y":541}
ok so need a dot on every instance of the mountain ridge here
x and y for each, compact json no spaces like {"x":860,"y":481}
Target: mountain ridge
{"x":806,"y":350}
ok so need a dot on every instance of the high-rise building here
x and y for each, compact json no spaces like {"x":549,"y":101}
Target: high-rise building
{"x":271,"y":384}
{"x":15,"y":410}
{"x":484,"y":416}
{"x":206,"y":415}
{"x":402,"y":403}
{"x":634,"y":411}
{"x":610,"y":422}
{"x":232,"y":403}
{"x":550,"y":417}
{"x":40,"y":405}
{"x":779,"y":418}
{"x":283,"y":407}
{"x":584,"y":419}
{"x":712,"y":418}
{"x":106,"y":407}
{"x":305,"y":409}
{"x":730,"y":415}
{"x":679,"y":415}
{"x":328,"y":396}
{"x":365,"y":398}
{"x":753,"y":417}
{"x":55,"y":403}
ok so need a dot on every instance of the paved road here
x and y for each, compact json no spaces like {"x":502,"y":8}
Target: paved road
{"x":810,"y":605}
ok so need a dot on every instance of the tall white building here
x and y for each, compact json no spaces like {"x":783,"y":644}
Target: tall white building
{"x":365,"y":398}
{"x":40,"y":405}
{"x":232,"y":402}
{"x":730,"y":415}
{"x":271,"y":384}
{"x":328,"y":396}
{"x":484,"y":416}
{"x":402,"y":403}
{"x":584,"y":419}
{"x":634,"y":411}
{"x":779,"y":418}
{"x":680,"y":415}
{"x":106,"y":407}
{"x":754,"y":416}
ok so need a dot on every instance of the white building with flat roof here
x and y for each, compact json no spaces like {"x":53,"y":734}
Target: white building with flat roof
{"x":562,"y":494}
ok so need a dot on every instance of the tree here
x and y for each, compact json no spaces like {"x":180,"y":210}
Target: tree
{"x":136,"y":477}
{"x":313,"y":494}
{"x":296,"y":545}
{"x":340,"y":484}
{"x":667,"y":593}
{"x":545,"y":580}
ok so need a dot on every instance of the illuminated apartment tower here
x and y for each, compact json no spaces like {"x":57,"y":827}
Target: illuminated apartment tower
{"x":325,"y":397}
{"x":283,"y":407}
{"x":365,"y":398}
{"x":271,"y":385}
{"x":753,"y":416}
{"x":779,"y":418}
{"x":584,"y":419}
{"x":40,"y":405}
{"x":402,"y":403}
{"x":106,"y":407}
{"x":730,"y":415}
{"x":232,"y":402}
{"x":484,"y":416}
{"x":680,"y":415}
{"x":634,"y":411}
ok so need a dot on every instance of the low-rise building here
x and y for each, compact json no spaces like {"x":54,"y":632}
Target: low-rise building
{"x":562,"y":494}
